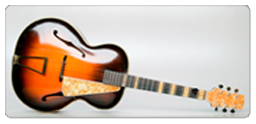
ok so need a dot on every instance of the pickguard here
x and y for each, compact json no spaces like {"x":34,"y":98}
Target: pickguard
{"x":76,"y":87}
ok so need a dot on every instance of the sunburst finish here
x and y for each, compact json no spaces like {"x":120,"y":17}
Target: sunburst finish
{"x":42,"y":91}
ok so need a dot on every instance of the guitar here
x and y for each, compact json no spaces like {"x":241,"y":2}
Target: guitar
{"x":53,"y":66}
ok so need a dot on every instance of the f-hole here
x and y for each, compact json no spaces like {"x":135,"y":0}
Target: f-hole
{"x":68,"y":43}
{"x":53,"y":94}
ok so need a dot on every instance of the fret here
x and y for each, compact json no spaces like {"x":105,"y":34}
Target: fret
{"x":179,"y":90}
{"x":166,"y":88}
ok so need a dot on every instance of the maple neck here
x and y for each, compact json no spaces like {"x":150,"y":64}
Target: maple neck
{"x":125,"y":80}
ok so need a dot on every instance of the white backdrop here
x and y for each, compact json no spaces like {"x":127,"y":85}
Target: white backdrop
{"x":188,"y":45}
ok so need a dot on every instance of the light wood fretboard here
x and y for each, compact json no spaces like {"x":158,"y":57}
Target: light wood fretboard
{"x":125,"y":80}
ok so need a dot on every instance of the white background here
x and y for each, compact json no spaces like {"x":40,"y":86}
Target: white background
{"x":188,"y":45}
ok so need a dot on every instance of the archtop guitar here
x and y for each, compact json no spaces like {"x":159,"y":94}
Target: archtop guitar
{"x":53,"y":66}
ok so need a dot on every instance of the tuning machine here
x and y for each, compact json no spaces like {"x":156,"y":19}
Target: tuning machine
{"x":216,"y":109}
{"x":232,"y":110}
{"x":220,"y":86}
{"x":236,"y":90}
{"x":224,"y":110}
{"x":228,"y":88}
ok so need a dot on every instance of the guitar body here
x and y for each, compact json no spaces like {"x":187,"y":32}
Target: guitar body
{"x":38,"y":65}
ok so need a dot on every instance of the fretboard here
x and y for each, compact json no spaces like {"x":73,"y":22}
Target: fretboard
{"x":125,"y":80}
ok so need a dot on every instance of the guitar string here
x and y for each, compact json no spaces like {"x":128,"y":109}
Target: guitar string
{"x":98,"y":78}
{"x":70,"y":71}
{"x":97,"y":72}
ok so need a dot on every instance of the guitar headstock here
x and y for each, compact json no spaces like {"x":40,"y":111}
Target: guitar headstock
{"x":219,"y":97}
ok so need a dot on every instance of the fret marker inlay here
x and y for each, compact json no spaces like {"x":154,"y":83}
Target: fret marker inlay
{"x":124,"y":81}
{"x":186,"y":91}
{"x":173,"y":89}
{"x":160,"y":88}
{"x":201,"y":94}
{"x":136,"y":82}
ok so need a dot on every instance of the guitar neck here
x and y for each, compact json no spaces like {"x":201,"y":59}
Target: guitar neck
{"x":130,"y":81}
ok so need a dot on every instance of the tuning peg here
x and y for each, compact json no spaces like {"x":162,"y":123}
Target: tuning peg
{"x":228,"y":88}
{"x":232,"y":111}
{"x":216,"y":109}
{"x":224,"y":110}
{"x":236,"y":90}
{"x":220,"y":86}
